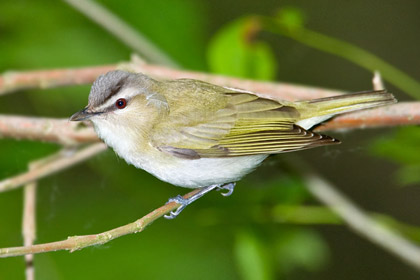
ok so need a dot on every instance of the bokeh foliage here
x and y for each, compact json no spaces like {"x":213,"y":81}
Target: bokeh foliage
{"x":255,"y":234}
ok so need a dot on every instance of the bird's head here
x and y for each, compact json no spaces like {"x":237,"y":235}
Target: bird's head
{"x":121,"y":98}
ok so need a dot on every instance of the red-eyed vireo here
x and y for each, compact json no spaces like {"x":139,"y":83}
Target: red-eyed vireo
{"x":198,"y":135}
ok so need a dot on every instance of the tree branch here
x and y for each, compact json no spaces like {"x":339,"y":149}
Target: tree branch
{"x":74,"y":243}
{"x":345,"y":209}
{"x":403,"y":113}
{"x":361,"y":223}
{"x":59,"y":131}
{"x":29,"y":224}
{"x":63,"y":132}
{"x":57,"y":162}
{"x":122,"y":30}
{"x":13,"y":81}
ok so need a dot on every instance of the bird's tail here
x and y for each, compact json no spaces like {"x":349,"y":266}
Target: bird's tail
{"x":333,"y":105}
{"x":318,"y":110}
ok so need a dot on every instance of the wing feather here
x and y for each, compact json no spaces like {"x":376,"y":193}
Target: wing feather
{"x":247,"y":125}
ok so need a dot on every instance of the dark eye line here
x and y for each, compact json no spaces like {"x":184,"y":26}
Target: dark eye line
{"x":115,"y":89}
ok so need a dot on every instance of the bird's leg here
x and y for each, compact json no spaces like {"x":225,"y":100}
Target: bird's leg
{"x":186,"y":201}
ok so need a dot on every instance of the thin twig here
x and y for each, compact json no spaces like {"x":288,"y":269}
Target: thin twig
{"x":122,"y":30}
{"x":60,"y":131}
{"x":350,"y":213}
{"x":378,"y":83}
{"x":57,"y":162}
{"x":352,"y":53}
{"x":59,"y":77}
{"x":12,"y":81}
{"x":29,"y":224}
{"x":361,"y":223}
{"x":74,"y":243}
{"x":403,"y":113}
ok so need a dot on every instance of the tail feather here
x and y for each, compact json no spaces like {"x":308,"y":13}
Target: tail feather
{"x":318,"y":110}
{"x":347,"y":103}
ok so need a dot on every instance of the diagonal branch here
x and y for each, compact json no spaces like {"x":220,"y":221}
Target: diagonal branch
{"x":122,"y":30}
{"x":57,"y":162}
{"x":361,"y":223}
{"x":344,"y":208}
{"x":74,"y":243}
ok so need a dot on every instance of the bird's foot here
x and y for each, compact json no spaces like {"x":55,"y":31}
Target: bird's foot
{"x":186,"y":201}
{"x":180,"y":200}
{"x":229,"y":187}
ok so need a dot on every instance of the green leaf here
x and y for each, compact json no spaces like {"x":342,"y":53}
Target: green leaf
{"x":301,"y":214}
{"x":176,"y":26}
{"x":235,"y":51}
{"x":287,"y":24}
{"x":402,"y":147}
{"x":298,"y":248}
{"x":252,"y":257}
{"x":291,"y":17}
{"x":408,"y":174}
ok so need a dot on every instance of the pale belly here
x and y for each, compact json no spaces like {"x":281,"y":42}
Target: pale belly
{"x":190,"y":173}
{"x":199,"y":172}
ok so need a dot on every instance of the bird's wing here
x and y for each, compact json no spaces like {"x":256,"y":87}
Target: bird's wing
{"x":247,"y":125}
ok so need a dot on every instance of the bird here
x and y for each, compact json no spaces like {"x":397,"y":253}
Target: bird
{"x":195,"y":134}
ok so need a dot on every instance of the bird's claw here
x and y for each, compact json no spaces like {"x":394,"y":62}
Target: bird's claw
{"x":186,"y":201}
{"x":229,"y":187}
{"x":180,"y":200}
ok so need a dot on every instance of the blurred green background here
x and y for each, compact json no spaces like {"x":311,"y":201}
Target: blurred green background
{"x":255,"y":233}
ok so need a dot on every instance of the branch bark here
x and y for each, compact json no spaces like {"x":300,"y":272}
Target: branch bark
{"x":403,"y":113}
{"x":325,"y":192}
{"x":361,"y":223}
{"x":74,"y":243}
{"x":13,"y":81}
{"x":57,"y":162}
{"x":29,"y":224}
{"x":59,"y":131}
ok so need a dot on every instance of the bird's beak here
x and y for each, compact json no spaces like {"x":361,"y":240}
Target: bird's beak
{"x":83,"y":115}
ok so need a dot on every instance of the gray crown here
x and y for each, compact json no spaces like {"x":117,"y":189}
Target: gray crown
{"x":113,"y":82}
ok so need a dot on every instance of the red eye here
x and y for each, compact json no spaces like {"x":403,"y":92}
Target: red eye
{"x":121,"y":103}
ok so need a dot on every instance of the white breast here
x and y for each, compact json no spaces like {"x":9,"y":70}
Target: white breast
{"x":200,"y":172}
{"x":177,"y":171}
